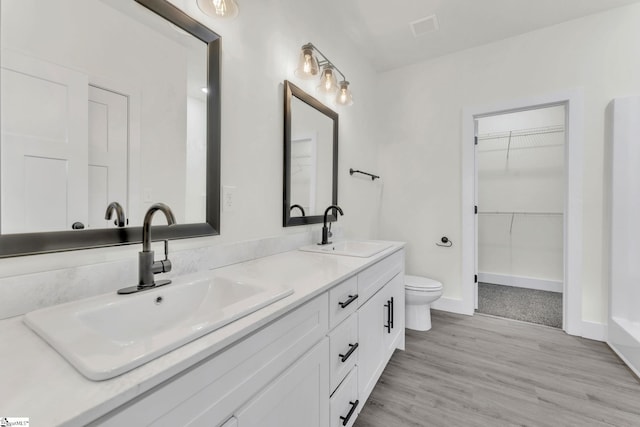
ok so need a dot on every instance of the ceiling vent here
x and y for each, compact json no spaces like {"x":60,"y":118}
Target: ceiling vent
{"x":424,"y":26}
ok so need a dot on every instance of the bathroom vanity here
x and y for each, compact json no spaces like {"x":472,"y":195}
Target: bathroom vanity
{"x":310,"y":359}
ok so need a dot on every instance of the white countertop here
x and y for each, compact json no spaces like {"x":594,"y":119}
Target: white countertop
{"x":38,"y":383}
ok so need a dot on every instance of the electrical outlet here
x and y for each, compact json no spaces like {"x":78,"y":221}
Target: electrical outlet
{"x":228,"y":198}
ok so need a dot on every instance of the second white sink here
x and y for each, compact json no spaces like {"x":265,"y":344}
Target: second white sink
{"x":356,"y":248}
{"x":110,"y":334}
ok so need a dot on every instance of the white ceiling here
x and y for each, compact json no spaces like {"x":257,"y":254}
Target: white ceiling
{"x":380,"y":28}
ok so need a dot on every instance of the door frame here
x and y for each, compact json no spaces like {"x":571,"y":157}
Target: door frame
{"x":573,"y":100}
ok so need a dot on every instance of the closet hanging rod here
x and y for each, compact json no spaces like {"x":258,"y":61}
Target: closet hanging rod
{"x":373,"y":177}
{"x":523,"y":213}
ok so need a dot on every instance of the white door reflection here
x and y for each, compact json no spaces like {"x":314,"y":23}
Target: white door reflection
{"x":44,"y":150}
{"x":303,"y":172}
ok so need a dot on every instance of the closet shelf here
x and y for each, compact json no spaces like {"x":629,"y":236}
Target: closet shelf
{"x":534,"y":138}
{"x":513,"y":215}
{"x":522,"y":132}
{"x":522,"y":213}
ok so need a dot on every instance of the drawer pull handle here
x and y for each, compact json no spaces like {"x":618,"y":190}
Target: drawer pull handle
{"x":344,"y":357}
{"x":354,"y":405}
{"x":351,"y":299}
{"x":392,"y":316}
{"x":389,"y":324}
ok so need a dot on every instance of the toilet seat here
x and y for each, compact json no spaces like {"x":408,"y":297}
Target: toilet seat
{"x":417,"y":283}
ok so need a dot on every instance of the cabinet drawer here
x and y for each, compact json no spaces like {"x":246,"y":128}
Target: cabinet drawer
{"x":343,"y":349}
{"x":213,"y":389}
{"x":344,"y":403}
{"x":343,"y":300}
{"x":376,"y":276}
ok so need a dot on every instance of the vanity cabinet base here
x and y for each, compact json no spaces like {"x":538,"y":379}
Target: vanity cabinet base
{"x":314,"y":366}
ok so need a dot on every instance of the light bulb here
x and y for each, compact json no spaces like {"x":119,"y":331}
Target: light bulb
{"x":219,"y":8}
{"x":328,"y":83}
{"x":344,"y":97}
{"x":307,"y":64}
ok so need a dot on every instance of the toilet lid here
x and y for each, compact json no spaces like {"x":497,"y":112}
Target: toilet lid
{"x":421,"y":283}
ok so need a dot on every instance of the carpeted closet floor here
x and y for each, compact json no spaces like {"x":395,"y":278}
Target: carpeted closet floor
{"x":528,"y":305}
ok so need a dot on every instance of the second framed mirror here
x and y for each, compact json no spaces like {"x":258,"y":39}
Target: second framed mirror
{"x":310,"y":158}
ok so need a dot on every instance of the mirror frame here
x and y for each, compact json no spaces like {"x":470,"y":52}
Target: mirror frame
{"x":57,"y":241}
{"x":291,"y":90}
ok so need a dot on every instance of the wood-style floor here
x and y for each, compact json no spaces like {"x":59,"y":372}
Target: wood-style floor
{"x":489,"y":372}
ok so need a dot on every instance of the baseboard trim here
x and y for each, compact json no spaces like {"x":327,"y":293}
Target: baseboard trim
{"x":521,"y":282}
{"x":451,"y":305}
{"x":624,"y":359}
{"x":594,"y":331}
{"x":625,"y":344}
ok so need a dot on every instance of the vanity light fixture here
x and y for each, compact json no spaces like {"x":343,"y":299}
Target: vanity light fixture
{"x":309,"y":67}
{"x":218,"y":8}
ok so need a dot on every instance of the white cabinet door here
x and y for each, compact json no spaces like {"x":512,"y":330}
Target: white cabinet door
{"x":371,"y":330}
{"x":298,"y":397}
{"x":380,"y":332}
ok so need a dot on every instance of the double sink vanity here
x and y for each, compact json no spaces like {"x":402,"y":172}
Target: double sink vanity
{"x":298,"y":338}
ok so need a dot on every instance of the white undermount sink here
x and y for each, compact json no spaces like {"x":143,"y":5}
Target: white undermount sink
{"x":356,"y":248}
{"x":107,"y":335}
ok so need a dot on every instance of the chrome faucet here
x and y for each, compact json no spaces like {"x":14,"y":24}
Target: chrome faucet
{"x":120,"y":219}
{"x":326,"y":231}
{"x":147,"y":267}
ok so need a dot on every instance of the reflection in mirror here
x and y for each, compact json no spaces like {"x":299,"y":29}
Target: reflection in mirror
{"x":311,"y":157}
{"x":108,"y":106}
{"x":82,"y":127}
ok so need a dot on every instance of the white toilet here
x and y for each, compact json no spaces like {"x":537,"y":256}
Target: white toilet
{"x":420,"y":292}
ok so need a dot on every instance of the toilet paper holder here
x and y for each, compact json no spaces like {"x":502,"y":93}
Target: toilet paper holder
{"x":446,"y":243}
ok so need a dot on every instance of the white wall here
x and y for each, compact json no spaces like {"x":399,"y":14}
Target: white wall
{"x":520,"y":165}
{"x":260,"y":50}
{"x":420,"y":152}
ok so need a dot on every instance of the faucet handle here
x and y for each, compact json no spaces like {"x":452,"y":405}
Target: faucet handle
{"x":163,"y":266}
{"x":166,"y":263}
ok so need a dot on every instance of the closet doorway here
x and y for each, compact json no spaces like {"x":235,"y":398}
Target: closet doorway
{"x":520,"y":198}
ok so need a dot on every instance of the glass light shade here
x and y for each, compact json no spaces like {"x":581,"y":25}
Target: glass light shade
{"x":307,"y":64}
{"x":328,"y":82}
{"x":219,"y":8}
{"x":344,"y":97}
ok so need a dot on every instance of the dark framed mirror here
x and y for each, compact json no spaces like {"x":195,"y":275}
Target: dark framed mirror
{"x":160,"y":145}
{"x":310,"y":158}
